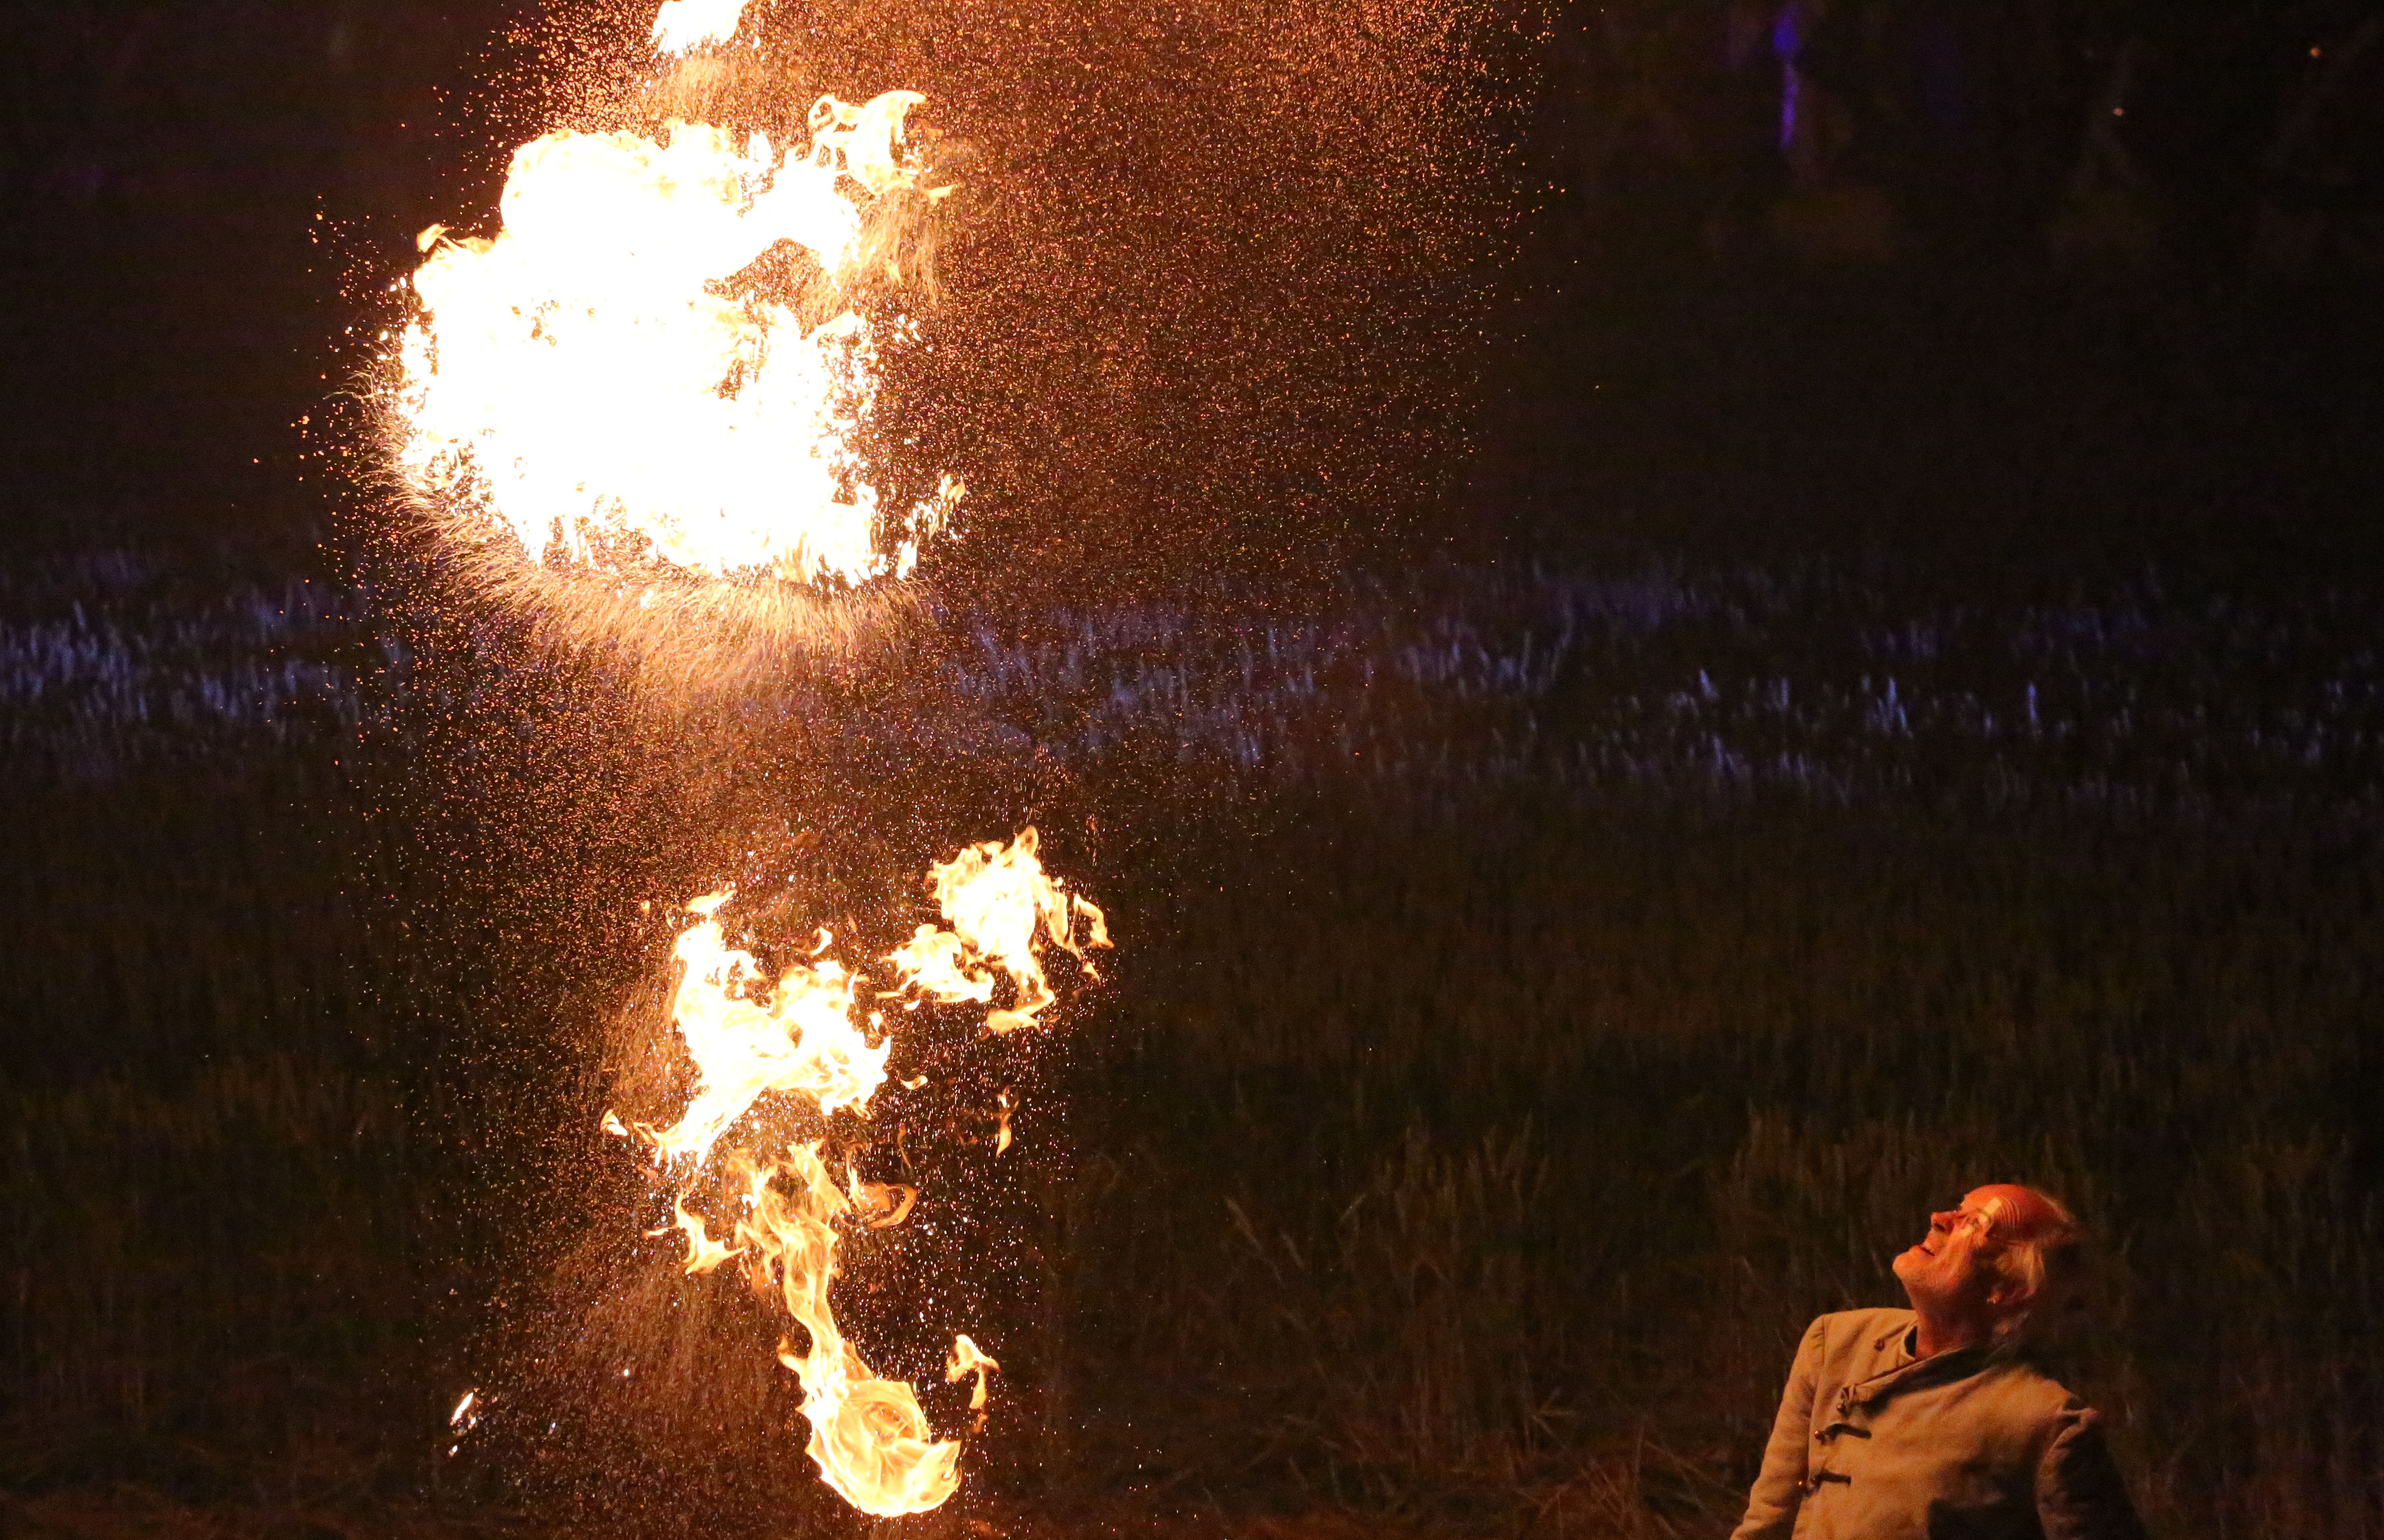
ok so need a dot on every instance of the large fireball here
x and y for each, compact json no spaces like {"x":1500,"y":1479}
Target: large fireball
{"x":620,"y":379}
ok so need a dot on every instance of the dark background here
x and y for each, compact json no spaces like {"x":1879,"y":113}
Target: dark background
{"x":2153,"y":343}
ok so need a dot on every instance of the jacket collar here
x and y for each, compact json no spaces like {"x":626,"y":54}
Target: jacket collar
{"x":1911,"y":1374}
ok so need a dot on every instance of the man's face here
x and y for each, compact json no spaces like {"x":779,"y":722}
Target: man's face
{"x":1947,"y":1269}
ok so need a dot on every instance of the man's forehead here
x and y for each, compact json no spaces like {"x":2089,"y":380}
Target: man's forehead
{"x":2022,"y":1206}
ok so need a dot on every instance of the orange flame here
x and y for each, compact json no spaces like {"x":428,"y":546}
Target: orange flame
{"x":1000,"y":908}
{"x":869,"y":1436}
{"x":797,"y":1036}
{"x":591,"y":380}
{"x":968,"y":1359}
{"x":704,"y":1253}
{"x":881,"y":1205}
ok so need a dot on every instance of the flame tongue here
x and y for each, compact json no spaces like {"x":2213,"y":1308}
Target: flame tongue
{"x":869,"y":1436}
{"x":1001,"y":909}
{"x":704,"y":1253}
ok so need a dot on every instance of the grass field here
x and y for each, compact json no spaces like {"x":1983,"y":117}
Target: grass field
{"x":1538,"y":992}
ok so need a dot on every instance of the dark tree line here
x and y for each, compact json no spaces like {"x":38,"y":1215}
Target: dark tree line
{"x":2245,"y":132}
{"x":2201,"y":133}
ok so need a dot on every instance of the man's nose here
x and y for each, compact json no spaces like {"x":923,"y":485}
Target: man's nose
{"x":1944,"y":1218}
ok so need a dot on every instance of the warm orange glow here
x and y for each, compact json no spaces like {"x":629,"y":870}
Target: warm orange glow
{"x":880,"y":1205}
{"x":968,"y":1359}
{"x":869,"y":1436}
{"x":682,"y":25}
{"x":594,"y":383}
{"x":704,"y":1253}
{"x":655,"y":368}
{"x":1001,"y":909}
{"x":750,"y":1037}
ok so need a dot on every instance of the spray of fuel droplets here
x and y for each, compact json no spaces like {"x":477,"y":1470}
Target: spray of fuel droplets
{"x":638,"y":406}
{"x":637,"y":411}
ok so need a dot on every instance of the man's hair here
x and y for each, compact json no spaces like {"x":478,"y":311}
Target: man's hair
{"x":2041,"y":1255}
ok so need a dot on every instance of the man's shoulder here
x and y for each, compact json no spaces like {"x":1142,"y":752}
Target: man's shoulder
{"x":2024,"y":1381}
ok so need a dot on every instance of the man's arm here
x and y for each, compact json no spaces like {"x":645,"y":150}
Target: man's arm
{"x":1771,"y":1506}
{"x":2080,"y":1493}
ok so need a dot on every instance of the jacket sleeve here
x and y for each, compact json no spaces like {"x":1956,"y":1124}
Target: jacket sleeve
{"x":2080,"y":1493}
{"x":1771,"y":1506}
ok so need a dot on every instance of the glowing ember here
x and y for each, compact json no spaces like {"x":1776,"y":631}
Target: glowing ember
{"x":614,"y":379}
{"x":1002,"y":908}
{"x":869,"y":1436}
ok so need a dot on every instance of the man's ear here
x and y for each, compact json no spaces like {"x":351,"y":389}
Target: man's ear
{"x":2011,"y":1296}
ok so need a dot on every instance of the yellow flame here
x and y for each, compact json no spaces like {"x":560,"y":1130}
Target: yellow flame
{"x":967,"y":1359}
{"x":869,"y":1436}
{"x":798,"y":1035}
{"x":704,"y":1253}
{"x":1001,"y":909}
{"x":592,"y":382}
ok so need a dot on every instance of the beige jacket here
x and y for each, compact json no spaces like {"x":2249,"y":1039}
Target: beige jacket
{"x":1872,"y":1444}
